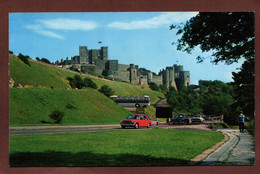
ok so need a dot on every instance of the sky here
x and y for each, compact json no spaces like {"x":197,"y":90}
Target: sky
{"x":141,"y":38}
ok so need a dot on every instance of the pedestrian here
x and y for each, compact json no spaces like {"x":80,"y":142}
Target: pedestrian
{"x":241,"y":119}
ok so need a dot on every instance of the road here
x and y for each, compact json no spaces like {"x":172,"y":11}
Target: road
{"x":27,"y":130}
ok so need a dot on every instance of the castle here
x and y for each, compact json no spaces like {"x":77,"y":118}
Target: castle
{"x":96,"y":60}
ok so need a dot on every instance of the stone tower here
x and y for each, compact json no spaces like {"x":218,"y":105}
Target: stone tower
{"x":83,"y":55}
{"x":133,"y":74}
{"x":104,"y":53}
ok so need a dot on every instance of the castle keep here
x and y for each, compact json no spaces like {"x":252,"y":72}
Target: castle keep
{"x":96,"y":60}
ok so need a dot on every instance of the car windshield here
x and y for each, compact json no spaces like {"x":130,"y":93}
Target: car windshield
{"x":133,"y":117}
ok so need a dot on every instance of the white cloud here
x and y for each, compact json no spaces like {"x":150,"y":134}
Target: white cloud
{"x":45,"y":27}
{"x":68,"y":24}
{"x":50,"y":33}
{"x":165,"y":19}
{"x":38,"y":29}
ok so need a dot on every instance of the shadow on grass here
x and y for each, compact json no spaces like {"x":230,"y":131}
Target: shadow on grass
{"x":60,"y":159}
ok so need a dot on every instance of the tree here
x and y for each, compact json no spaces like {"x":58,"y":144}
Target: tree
{"x":229,"y":35}
{"x":45,"y":60}
{"x":163,"y":88}
{"x":106,"y":90}
{"x":244,"y":88}
{"x":24,"y":59}
{"x":57,"y":115}
{"x":76,"y":82}
{"x":153,"y":86}
{"x":89,"y":83}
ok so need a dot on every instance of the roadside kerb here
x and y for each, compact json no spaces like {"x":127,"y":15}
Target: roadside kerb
{"x":203,"y":155}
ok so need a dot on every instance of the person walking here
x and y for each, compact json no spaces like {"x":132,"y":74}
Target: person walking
{"x":241,"y":119}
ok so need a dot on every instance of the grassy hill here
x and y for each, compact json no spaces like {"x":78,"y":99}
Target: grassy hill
{"x":31,"y":105}
{"x":86,"y":106}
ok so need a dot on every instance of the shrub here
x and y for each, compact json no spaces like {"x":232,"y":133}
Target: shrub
{"x":57,"y":115}
{"x":89,"y":83}
{"x":76,"y":82}
{"x":153,"y":86}
{"x":24,"y":59}
{"x":106,"y":90}
{"x":251,"y":127}
{"x":45,"y":61}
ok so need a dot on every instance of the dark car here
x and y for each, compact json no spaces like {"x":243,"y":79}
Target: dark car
{"x":180,"y":119}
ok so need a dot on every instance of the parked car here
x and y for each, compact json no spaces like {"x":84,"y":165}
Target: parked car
{"x":136,"y":121}
{"x":180,"y":119}
{"x":197,"y":119}
{"x":206,"y":117}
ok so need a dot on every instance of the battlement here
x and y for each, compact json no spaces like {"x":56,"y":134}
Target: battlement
{"x":96,"y":60}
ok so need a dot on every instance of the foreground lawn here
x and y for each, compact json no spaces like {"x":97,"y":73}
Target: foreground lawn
{"x":152,"y":147}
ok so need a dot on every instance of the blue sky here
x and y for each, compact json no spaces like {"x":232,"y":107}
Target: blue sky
{"x":142,"y":38}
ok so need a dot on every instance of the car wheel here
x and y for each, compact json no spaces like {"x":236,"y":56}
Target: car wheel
{"x":136,"y":125}
{"x":123,"y":127}
{"x":149,"y":125}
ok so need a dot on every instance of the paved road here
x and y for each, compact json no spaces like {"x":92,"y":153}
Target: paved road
{"x":60,"y":129}
{"x":91,"y":128}
{"x":238,"y":150}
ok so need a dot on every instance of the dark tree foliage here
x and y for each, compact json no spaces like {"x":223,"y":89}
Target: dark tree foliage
{"x":106,"y":90}
{"x":89,"y":83}
{"x":229,"y":35}
{"x":11,"y":52}
{"x":38,"y":59}
{"x":24,"y":59}
{"x":76,"y":82}
{"x":244,"y":88}
{"x":153,"y":86}
{"x":45,"y":60}
{"x":57,"y":115}
{"x":163,"y":88}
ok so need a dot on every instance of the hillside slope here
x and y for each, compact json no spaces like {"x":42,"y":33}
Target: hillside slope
{"x":87,"y":106}
{"x":46,"y":88}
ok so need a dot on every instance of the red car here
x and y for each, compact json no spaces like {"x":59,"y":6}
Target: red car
{"x":136,"y":121}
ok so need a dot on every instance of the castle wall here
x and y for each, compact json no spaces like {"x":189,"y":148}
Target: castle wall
{"x":157,"y":79}
{"x":122,"y":67}
{"x":100,"y":66}
{"x":88,"y":68}
{"x":122,"y":75}
{"x":112,"y":65}
{"x":94,"y":54}
{"x":143,"y":79}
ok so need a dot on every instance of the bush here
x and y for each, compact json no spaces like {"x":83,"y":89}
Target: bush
{"x":57,"y":115}
{"x":24,"y":59}
{"x":45,"y":61}
{"x":251,"y":127}
{"x":106,"y":90}
{"x":89,"y":83}
{"x":76,"y":82}
{"x":153,"y":86}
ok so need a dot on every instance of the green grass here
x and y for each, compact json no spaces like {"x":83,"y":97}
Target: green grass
{"x":31,"y":106}
{"x":48,"y":77}
{"x":153,"y":147}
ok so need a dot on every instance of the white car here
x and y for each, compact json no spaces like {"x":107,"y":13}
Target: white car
{"x":197,"y":119}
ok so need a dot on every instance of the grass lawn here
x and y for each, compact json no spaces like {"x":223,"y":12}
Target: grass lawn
{"x":152,"y":147}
